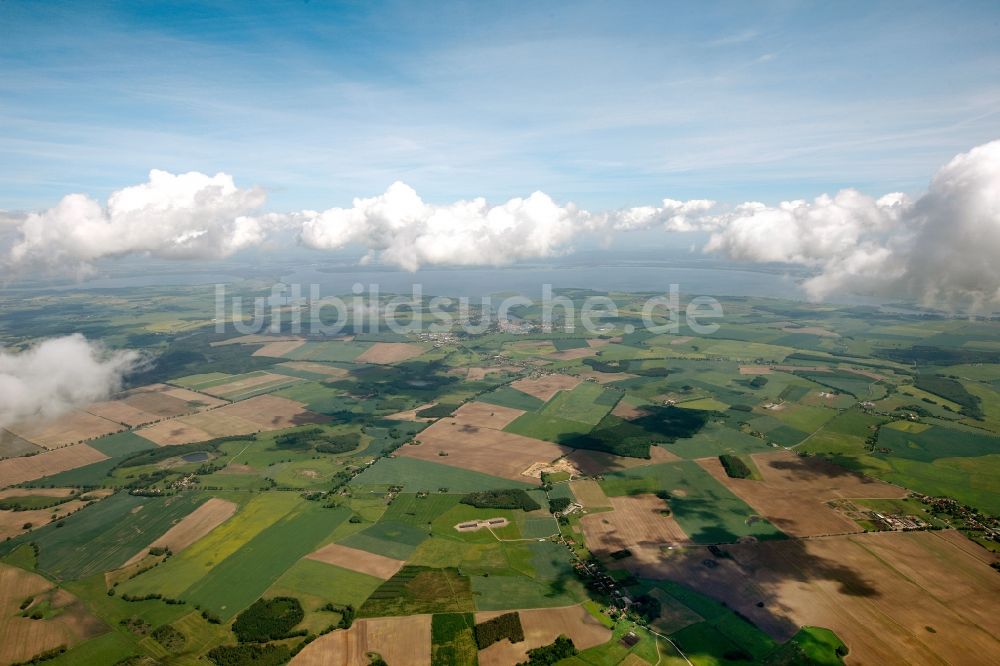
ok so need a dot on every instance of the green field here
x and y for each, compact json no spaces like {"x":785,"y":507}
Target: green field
{"x":240,"y":579}
{"x":12,"y":446}
{"x":510,"y":592}
{"x":309,"y":578}
{"x":936,"y":442}
{"x":416,"y":475}
{"x":547,"y":427}
{"x":415,"y":590}
{"x":931,"y":424}
{"x":316,"y":584}
{"x":121,"y":444}
{"x":328,"y":351}
{"x":586,"y":403}
{"x":453,"y":642}
{"x":318,"y":397}
{"x":392,"y":539}
{"x":506,"y":396}
{"x":705,"y":509}
{"x":419,"y":511}
{"x":105,"y":535}
{"x":183,"y":571}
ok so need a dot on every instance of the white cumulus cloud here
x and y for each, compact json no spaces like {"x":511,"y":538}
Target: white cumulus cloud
{"x":399,"y":228}
{"x":184,"y":216}
{"x":59,"y":375}
{"x":672,"y":215}
{"x":941,"y":248}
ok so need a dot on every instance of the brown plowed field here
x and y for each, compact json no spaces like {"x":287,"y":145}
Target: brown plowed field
{"x":400,"y":640}
{"x":191,"y":527}
{"x":893,"y":597}
{"x":541,"y":627}
{"x":71,"y":428}
{"x":483,"y":415}
{"x":279,"y":349}
{"x":22,"y":638}
{"x":19,"y":470}
{"x":481,"y":449}
{"x":389,"y":352}
{"x":261,"y":413}
{"x":357,"y":560}
{"x":793,"y":492}
{"x":546,"y":386}
{"x":636,"y":523}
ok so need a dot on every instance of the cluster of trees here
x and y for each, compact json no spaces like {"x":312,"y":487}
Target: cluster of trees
{"x":318,"y":439}
{"x":558,"y":504}
{"x":735,"y":467}
{"x":152,"y":596}
{"x":136,"y":625}
{"x":250,"y":654}
{"x":160,"y":453}
{"x":951,"y":389}
{"x":496,"y":629}
{"x":561,"y":648}
{"x":927,"y":355}
{"x":611,"y":367}
{"x":648,"y":607}
{"x":437,"y":411}
{"x":660,"y":425}
{"x":501,"y":499}
{"x":146,"y":479}
{"x":42,"y":656}
{"x":269,"y":620}
{"x":169,"y":637}
{"x":346,"y":611}
{"x":32,"y":503}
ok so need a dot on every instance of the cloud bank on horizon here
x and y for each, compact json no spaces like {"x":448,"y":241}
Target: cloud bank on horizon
{"x":940,"y":247}
{"x":59,"y":375}
{"x":186,"y":216}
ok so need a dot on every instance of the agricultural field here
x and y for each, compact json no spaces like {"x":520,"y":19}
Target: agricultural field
{"x":240,"y":387}
{"x":104,"y":535}
{"x":485,"y":450}
{"x":398,"y":640}
{"x":794,"y":492}
{"x":705,"y":510}
{"x":190,"y":528}
{"x":28,"y":468}
{"x":62,"y":618}
{"x":258,"y":414}
{"x":402,"y":489}
{"x":147,"y":404}
{"x":541,"y":627}
{"x":360,"y":561}
{"x":879,"y":592}
{"x":73,"y":428}
{"x":638,"y":524}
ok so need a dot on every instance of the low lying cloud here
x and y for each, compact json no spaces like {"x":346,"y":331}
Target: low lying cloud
{"x":399,"y":228}
{"x":59,"y":375}
{"x":185,"y":216}
{"x":673,"y":215}
{"x":940,"y":247}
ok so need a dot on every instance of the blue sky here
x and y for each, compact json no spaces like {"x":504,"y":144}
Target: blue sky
{"x":605,"y":104}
